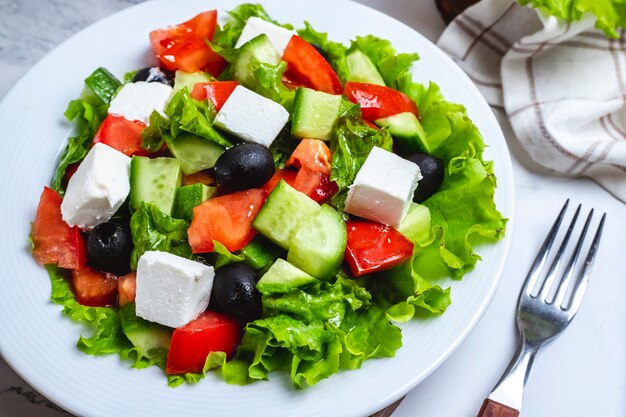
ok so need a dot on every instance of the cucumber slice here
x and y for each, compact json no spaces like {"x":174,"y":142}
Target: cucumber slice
{"x":404,"y":127}
{"x":416,"y":224}
{"x":194,"y":153}
{"x":283,"y":277}
{"x":315,"y":113}
{"x":362,"y":69}
{"x":188,"y":197}
{"x":319,"y":244}
{"x":152,"y":339}
{"x":154,"y":181}
{"x":260,"y":253}
{"x":284,"y":211}
{"x":258,"y":49}
{"x":184,"y":79}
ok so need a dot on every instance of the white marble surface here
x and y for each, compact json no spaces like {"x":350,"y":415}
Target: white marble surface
{"x":581,"y":374}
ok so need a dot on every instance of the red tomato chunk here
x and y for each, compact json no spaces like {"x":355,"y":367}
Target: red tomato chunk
{"x":374,"y":247}
{"x":216,"y":91}
{"x":312,"y":154}
{"x":126,"y":288}
{"x":378,"y":101}
{"x":54,"y":241}
{"x":94,"y":288}
{"x":192,"y":343}
{"x":121,"y":134}
{"x":306,"y":67}
{"x":227,"y":219}
{"x":183,"y":47}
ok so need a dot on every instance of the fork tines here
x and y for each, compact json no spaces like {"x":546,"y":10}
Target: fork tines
{"x":552,"y":289}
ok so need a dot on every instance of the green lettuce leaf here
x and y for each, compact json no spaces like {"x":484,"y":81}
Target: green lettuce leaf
{"x":224,"y":256}
{"x":351,"y":143}
{"x":269,"y":83}
{"x":463,"y":212}
{"x":610,"y":14}
{"x":104,"y":322}
{"x":316,"y":331}
{"x":335,"y":51}
{"x":192,"y":116}
{"x":153,"y":230}
{"x":86,"y":113}
{"x":391,"y":65}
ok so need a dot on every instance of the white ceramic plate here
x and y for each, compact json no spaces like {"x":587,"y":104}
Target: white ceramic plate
{"x":39,"y":342}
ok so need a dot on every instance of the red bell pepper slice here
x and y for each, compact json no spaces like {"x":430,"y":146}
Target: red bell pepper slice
{"x":373,"y":247}
{"x":378,"y":101}
{"x":308,"y":68}
{"x":54,"y":241}
{"x":227,"y":219}
{"x":121,"y":134}
{"x":216,"y":91}
{"x":94,"y":288}
{"x":192,"y":343}
{"x":183,"y":47}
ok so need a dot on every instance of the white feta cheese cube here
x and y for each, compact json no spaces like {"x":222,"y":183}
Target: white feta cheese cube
{"x":251,"y":117}
{"x":98,"y":187}
{"x":383,"y":188}
{"x":137,"y":101}
{"x":279,"y":36}
{"x":171,"y":290}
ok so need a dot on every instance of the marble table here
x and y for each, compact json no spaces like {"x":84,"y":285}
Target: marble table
{"x":581,"y":374}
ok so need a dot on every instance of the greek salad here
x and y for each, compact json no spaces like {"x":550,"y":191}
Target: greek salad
{"x":262,"y":199}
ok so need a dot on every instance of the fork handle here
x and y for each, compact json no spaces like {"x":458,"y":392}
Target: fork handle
{"x":493,"y":408}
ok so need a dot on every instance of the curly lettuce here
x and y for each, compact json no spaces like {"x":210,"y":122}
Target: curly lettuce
{"x":609,"y":14}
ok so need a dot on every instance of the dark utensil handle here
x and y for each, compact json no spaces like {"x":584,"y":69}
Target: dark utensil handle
{"x":492,"y":408}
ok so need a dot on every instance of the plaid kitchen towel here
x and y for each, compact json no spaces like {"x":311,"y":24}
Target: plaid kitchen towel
{"x":562,"y":85}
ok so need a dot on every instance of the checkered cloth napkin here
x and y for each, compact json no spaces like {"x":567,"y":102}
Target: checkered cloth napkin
{"x":562,"y":85}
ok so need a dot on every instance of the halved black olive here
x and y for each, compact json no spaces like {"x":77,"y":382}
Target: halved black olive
{"x":234,"y":289}
{"x":154,"y":75}
{"x":108,"y":248}
{"x":244,"y":166}
{"x":432,"y":171}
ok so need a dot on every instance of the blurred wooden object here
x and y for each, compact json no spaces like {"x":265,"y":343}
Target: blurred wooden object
{"x":449,"y":9}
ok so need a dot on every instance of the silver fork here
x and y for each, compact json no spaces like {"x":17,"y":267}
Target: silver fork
{"x":544,"y":313}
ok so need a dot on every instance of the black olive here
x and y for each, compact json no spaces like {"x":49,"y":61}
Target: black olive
{"x":154,"y":75}
{"x":234,"y":289}
{"x":244,"y":166}
{"x":320,"y":50}
{"x":432,"y":171}
{"x":108,"y":248}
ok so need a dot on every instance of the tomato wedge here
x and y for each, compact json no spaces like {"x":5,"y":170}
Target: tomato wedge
{"x":216,"y":91}
{"x":316,"y":185}
{"x":126,"y":288}
{"x":192,"y":343}
{"x":183,"y":47}
{"x":312,"y":154}
{"x":54,"y":241}
{"x":378,"y":101}
{"x":307,"y":67}
{"x":374,"y":247}
{"x":121,"y":134}
{"x":94,"y":288}
{"x":281,"y":174}
{"x":227,"y":219}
